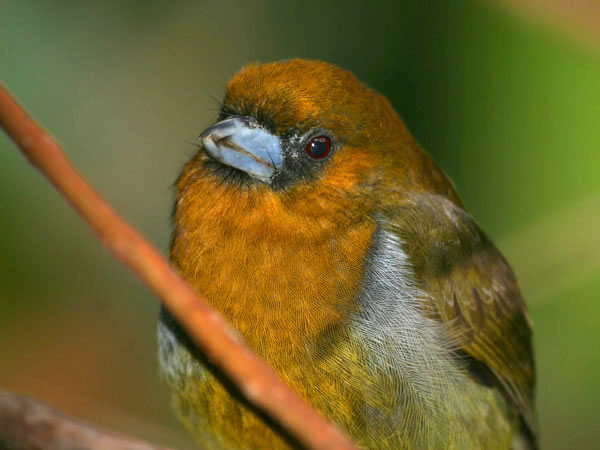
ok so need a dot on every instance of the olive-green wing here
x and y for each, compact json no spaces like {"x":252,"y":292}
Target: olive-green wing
{"x":472,"y":290}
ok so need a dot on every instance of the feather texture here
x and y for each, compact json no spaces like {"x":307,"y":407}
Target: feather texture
{"x":360,"y":278}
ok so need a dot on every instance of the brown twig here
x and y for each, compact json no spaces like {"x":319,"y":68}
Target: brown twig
{"x":28,"y":424}
{"x":205,"y":326}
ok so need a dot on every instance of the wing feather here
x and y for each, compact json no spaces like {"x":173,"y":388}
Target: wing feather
{"x":472,"y":290}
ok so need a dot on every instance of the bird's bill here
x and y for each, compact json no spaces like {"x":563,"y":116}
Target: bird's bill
{"x":241,"y":143}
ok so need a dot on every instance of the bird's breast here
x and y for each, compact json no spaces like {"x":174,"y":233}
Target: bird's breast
{"x":280,"y":291}
{"x":359,"y":348}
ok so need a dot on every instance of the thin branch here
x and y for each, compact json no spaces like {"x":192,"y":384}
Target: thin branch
{"x":205,"y":326}
{"x":27,"y":424}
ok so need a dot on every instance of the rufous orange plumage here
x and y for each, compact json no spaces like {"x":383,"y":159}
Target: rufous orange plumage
{"x":316,"y":224}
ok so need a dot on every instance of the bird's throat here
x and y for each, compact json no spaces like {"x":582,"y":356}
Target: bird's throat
{"x":280,"y":277}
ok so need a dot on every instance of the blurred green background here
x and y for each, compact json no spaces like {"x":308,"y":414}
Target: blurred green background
{"x":508,"y":104}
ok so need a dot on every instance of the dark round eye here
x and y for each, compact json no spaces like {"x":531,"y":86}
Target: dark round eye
{"x":319,"y":147}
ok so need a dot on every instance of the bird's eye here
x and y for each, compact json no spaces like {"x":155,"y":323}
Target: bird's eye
{"x":318,"y":147}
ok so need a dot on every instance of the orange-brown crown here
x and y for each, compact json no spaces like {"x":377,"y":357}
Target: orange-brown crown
{"x":374,"y":146}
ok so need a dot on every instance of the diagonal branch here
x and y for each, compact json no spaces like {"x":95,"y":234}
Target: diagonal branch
{"x":26,"y":423}
{"x":205,"y":326}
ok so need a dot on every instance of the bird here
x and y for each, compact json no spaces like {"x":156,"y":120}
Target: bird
{"x":317,"y":225}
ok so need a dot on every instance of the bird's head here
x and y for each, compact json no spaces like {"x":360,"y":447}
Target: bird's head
{"x":311,"y":138}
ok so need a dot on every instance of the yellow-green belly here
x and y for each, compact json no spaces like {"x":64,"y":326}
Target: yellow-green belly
{"x":379,"y":408}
